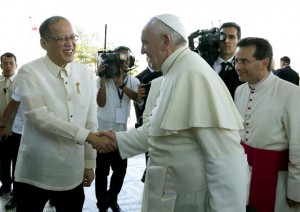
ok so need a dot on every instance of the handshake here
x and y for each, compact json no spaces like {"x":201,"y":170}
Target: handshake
{"x":103,"y":141}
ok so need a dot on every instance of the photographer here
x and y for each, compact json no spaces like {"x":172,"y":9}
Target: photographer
{"x":224,"y":63}
{"x":115,"y":90}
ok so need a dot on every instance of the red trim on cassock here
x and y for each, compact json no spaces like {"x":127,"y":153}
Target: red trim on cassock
{"x":265,"y":167}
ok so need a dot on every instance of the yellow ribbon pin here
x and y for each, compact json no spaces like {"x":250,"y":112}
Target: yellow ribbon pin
{"x":78,"y":87}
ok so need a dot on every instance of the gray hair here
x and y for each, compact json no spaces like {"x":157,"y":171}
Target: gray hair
{"x":159,"y":28}
{"x":45,"y":26}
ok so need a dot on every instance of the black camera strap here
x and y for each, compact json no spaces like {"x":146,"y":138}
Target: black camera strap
{"x":121,"y":93}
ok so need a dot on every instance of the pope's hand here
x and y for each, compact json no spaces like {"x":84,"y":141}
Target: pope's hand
{"x":292,"y":203}
{"x":101,"y":143}
{"x":106,"y":136}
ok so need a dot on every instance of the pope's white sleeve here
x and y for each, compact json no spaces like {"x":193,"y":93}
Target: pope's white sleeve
{"x":227,"y":180}
{"x":226,"y":168}
{"x":133,"y":142}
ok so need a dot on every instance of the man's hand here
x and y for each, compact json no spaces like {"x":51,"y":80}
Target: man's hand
{"x":141,"y":93}
{"x":101,"y":143}
{"x":88,"y":177}
{"x":292,"y":203}
{"x":3,"y":134}
{"x":109,"y":134}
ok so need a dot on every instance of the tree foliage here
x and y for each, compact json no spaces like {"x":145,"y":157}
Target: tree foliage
{"x":86,"y":50}
{"x":88,"y":47}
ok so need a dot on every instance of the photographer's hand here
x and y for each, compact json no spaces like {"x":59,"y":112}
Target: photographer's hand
{"x":100,"y":70}
{"x":122,"y":85}
{"x":101,"y":94}
{"x":141,"y":93}
{"x":119,"y":80}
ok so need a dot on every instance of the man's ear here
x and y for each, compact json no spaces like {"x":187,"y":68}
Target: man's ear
{"x":266,"y":62}
{"x":43,"y":43}
{"x":167,"y":42}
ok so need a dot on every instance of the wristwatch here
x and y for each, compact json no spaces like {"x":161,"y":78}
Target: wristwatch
{"x":122,"y":86}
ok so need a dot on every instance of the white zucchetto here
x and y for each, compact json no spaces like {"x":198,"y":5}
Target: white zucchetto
{"x":174,"y":22}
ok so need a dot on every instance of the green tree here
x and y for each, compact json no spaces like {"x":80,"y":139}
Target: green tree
{"x":88,"y":47}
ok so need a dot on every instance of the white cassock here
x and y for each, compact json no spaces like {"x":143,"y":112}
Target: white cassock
{"x":272,"y":119}
{"x":191,"y":131}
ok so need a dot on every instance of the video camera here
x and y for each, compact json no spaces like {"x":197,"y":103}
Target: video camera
{"x":208,"y":43}
{"x":112,"y":60}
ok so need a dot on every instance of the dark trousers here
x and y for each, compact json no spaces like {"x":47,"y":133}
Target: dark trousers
{"x":5,"y":162}
{"x":15,"y":144}
{"x":106,"y":161}
{"x":34,"y":199}
{"x":144,"y":174}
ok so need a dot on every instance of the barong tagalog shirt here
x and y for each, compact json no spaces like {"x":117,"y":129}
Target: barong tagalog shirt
{"x":60,"y":110}
{"x":192,"y":137}
{"x":270,"y":110}
{"x":7,"y":87}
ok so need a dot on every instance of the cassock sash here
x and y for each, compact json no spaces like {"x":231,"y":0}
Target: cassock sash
{"x":265,"y":167}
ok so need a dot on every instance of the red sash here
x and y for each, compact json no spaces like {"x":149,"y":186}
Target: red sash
{"x":265,"y":166}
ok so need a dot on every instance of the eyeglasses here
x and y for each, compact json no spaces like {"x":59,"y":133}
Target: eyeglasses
{"x":64,"y":38}
{"x":243,"y":62}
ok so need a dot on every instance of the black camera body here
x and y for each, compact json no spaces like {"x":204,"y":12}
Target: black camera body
{"x":113,"y":60}
{"x":208,"y":43}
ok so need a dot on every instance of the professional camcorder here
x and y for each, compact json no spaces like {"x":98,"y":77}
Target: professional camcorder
{"x":112,"y":61}
{"x":208,"y":43}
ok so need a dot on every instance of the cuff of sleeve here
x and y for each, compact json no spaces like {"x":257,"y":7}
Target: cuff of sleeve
{"x":81,"y":136}
{"x":90,"y":164}
{"x":119,"y":137}
{"x":293,"y":191}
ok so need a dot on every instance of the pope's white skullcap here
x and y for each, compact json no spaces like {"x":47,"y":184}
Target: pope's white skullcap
{"x":174,"y":22}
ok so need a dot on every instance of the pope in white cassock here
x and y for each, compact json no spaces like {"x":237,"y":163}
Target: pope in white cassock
{"x":191,"y":130}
